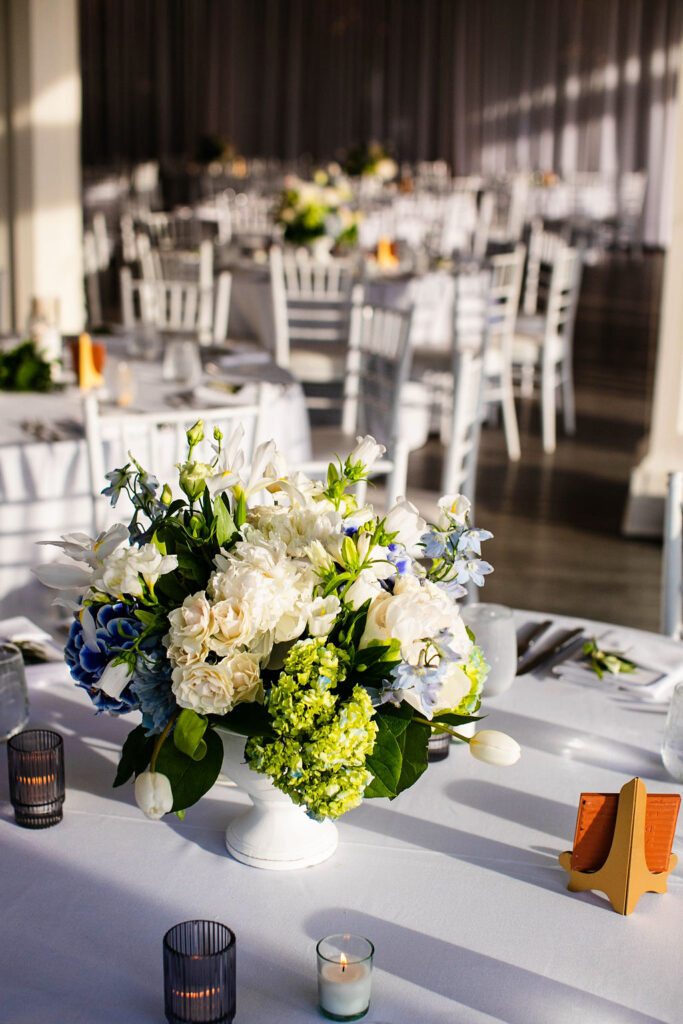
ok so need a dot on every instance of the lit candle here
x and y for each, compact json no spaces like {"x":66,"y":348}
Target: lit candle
{"x":88,"y":376}
{"x":385,"y":254}
{"x":344,"y":976}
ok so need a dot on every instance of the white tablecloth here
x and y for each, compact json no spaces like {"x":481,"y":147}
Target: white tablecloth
{"x":44,"y":489}
{"x":456,"y":882}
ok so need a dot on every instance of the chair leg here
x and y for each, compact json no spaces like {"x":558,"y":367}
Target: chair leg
{"x":360,"y":491}
{"x":510,"y":421}
{"x":526,"y":388}
{"x":548,"y":388}
{"x":398,"y":477}
{"x":568,"y":404}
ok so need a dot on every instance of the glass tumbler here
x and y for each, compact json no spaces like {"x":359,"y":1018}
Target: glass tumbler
{"x":494,"y":630}
{"x":672,"y":744}
{"x":13,"y":691}
{"x":35,"y":760}
{"x":199,"y":973}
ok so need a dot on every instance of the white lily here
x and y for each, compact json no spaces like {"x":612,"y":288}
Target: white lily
{"x":454,"y":508}
{"x":81,"y":548}
{"x":268,"y":468}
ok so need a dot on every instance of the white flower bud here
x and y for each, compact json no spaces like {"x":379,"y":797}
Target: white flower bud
{"x":367,"y":451}
{"x":495,"y":747}
{"x":153,"y":794}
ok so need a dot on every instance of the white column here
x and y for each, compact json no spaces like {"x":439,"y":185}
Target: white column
{"x":41,"y":225}
{"x":664,"y":451}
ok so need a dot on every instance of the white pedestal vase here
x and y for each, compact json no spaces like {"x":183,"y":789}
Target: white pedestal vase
{"x":275,"y":833}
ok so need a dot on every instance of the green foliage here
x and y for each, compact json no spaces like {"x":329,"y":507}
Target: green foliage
{"x":399,"y":756}
{"x":187,"y":735}
{"x":22,"y":369}
{"x":190,"y":779}
{"x":606,"y":661}
{"x":135,"y":755}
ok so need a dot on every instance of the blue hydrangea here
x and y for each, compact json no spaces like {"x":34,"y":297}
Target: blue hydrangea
{"x":152,"y":686}
{"x":114,"y":631}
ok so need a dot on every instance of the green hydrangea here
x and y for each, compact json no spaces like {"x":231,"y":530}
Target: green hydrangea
{"x":476,"y":671}
{"x":318,"y":755}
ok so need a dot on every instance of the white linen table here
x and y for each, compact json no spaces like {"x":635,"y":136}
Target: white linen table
{"x":44,"y":484}
{"x":457,"y":883}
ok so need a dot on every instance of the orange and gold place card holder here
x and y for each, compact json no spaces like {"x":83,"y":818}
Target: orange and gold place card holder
{"x":622,"y":844}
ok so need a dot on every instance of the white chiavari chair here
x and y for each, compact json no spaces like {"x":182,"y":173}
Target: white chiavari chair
{"x":545,"y":354}
{"x":158,"y":441}
{"x":672,"y":558}
{"x":506,"y":281}
{"x":180,"y":307}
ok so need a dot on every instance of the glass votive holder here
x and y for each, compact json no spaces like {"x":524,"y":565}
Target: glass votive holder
{"x":494,"y":632}
{"x":182,"y":361}
{"x":344,"y":976}
{"x":13,"y":691}
{"x":35,"y":759}
{"x":672,"y":744}
{"x":438,"y":746}
{"x":199,"y":973}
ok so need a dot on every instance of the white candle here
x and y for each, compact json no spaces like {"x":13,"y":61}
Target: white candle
{"x":344,"y":988}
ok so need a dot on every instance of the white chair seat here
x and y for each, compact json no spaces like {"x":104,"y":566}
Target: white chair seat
{"x":312,"y":363}
{"x":527,"y":349}
{"x":530,"y":323}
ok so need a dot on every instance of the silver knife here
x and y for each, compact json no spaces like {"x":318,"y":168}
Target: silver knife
{"x":550,"y":653}
{"x":537,"y":630}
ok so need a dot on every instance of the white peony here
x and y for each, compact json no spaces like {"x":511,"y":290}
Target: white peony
{"x":191,"y":627}
{"x":216,"y":689}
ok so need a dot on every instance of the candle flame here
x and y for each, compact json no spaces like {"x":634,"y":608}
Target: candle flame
{"x":35,"y":780}
{"x":343,"y":961}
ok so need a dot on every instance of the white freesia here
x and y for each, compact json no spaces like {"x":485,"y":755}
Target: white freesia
{"x":153,"y":794}
{"x":495,"y":748}
{"x":405,"y":520}
{"x":125,"y":569}
{"x":322,"y":614}
{"x":367,"y":451}
{"x":415,"y":612}
{"x":454,"y":508}
{"x":216,"y":689}
{"x":190,"y":630}
{"x":115,"y":679}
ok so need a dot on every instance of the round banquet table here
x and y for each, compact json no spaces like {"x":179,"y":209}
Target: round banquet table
{"x":44,"y":483}
{"x":456,"y":882}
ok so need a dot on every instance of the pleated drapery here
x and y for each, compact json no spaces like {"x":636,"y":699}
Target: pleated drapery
{"x":492,"y":86}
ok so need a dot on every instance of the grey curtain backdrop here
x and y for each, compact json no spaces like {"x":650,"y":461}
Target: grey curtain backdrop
{"x":489,"y":85}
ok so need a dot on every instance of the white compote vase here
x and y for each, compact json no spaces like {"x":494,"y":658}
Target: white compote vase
{"x":275,"y":833}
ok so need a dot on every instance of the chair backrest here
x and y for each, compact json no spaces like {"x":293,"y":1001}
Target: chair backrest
{"x":543,"y":248}
{"x":480,"y":239}
{"x":470,"y":337}
{"x":158,"y":440}
{"x":179,"y":306}
{"x":377,"y":367}
{"x":311,"y":300}
{"x":507,"y":269}
{"x":672,"y":558}
{"x":563,"y":299}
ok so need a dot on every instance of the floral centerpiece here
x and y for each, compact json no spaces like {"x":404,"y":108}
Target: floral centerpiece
{"x":370,"y":160}
{"x":277,"y":607}
{"x":26,"y":368}
{"x":318,"y":209}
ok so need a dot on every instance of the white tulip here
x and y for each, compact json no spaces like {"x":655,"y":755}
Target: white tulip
{"x":495,"y":748}
{"x":366,"y":451}
{"x":115,"y":679}
{"x":405,"y":520}
{"x":153,"y":794}
{"x":365,"y":586}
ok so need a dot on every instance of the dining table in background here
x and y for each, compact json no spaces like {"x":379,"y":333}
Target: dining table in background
{"x":457,"y":882}
{"x":44,"y":481}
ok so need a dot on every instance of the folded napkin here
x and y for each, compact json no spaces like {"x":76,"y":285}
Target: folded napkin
{"x":246,"y":357}
{"x":35,"y":644}
{"x":659,"y":666}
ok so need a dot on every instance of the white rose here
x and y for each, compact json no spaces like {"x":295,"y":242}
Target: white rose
{"x":322,"y":615}
{"x":231,"y":627}
{"x":191,"y":627}
{"x":215,"y":689}
{"x":153,"y":794}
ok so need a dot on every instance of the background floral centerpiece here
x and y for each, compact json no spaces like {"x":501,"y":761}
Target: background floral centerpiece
{"x":370,"y":160}
{"x":276,"y":607}
{"x":318,"y":209}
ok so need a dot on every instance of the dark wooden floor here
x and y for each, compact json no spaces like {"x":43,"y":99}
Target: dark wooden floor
{"x":556,"y":518}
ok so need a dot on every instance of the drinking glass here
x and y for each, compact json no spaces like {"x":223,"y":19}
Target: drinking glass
{"x":13,"y":692}
{"x":672,"y":744}
{"x":494,"y":630}
{"x":182,"y":361}
{"x":199,"y":973}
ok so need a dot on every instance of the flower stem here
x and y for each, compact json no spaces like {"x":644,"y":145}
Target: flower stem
{"x":160,"y":742}
{"x":437,"y":727}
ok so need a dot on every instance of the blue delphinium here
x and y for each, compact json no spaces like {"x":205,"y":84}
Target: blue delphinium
{"x":94,"y":642}
{"x":423,"y":681}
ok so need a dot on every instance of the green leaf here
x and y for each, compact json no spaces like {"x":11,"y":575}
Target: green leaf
{"x":240,"y":516}
{"x":187,"y":735}
{"x":414,"y":761}
{"x":223,"y":523}
{"x":207,"y":507}
{"x":249,"y":720}
{"x":189,"y":779}
{"x":450,"y":718}
{"x":384,"y":762}
{"x":147,"y":618}
{"x":135,"y":755}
